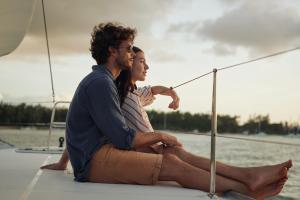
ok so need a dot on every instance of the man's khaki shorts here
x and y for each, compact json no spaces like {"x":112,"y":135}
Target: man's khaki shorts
{"x":112,"y":165}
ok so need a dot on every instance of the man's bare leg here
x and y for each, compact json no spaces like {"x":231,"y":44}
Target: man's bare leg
{"x":253,"y":177}
{"x":174,"y":169}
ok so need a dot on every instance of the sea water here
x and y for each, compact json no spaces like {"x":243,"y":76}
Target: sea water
{"x":230,"y":151}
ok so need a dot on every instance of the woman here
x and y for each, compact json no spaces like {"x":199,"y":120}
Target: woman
{"x":133,"y":99}
{"x":256,"y":182}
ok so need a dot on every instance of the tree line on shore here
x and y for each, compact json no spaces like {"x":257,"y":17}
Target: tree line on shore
{"x":29,"y":115}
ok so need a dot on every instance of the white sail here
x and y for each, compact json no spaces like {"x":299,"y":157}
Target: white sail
{"x":15,"y":18}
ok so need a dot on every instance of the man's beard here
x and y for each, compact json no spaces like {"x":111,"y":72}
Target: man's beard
{"x":123,"y":65}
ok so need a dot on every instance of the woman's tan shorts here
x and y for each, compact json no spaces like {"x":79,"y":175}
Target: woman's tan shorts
{"x":112,"y":165}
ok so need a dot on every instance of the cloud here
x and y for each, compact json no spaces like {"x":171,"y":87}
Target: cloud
{"x":260,"y":26}
{"x":221,"y":50}
{"x":231,"y":2}
{"x":191,"y":26}
{"x":164,"y":56}
{"x":70,"y":22}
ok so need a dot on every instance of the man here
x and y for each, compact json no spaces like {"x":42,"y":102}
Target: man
{"x":101,"y":147}
{"x":95,"y":125}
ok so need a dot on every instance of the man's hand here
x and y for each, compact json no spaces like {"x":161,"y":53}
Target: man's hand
{"x":169,"y":140}
{"x":146,"y":139}
{"x":55,"y":166}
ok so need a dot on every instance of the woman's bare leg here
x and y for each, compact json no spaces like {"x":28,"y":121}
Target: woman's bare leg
{"x":174,"y":169}
{"x":253,"y":177}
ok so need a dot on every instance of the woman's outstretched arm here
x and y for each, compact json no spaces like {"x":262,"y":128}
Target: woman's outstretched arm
{"x":162,"y":90}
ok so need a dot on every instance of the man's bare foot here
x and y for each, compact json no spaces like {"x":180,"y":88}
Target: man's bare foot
{"x":282,"y":181}
{"x":262,"y":176}
{"x":269,"y":190}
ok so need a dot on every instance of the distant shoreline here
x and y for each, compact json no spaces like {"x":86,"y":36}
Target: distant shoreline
{"x":45,"y":126}
{"x":29,"y":125}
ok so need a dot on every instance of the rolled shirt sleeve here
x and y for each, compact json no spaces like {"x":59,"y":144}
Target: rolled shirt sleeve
{"x":146,"y":96}
{"x":105,"y":111}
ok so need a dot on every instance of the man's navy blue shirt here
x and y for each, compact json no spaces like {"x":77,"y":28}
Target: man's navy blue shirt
{"x":94,"y":119}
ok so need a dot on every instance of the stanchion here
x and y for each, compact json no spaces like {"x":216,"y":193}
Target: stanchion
{"x":212,"y":190}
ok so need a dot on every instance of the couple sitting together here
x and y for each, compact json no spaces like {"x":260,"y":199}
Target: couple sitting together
{"x":110,"y":138}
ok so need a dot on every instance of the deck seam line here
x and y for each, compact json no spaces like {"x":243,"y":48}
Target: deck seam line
{"x":33,"y":182}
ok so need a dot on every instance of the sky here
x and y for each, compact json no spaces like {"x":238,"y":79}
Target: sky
{"x":182,"y":39}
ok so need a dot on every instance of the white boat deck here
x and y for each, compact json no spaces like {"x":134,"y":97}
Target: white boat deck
{"x":22,"y":179}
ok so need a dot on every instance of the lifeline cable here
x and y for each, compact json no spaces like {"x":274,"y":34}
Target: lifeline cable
{"x":239,"y":64}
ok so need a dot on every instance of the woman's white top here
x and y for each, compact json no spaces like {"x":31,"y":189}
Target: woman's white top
{"x":133,"y":109}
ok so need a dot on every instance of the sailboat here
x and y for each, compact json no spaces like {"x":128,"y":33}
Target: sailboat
{"x":20,"y":175}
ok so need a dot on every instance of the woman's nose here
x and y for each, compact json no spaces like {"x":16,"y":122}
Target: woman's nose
{"x":146,"y":66}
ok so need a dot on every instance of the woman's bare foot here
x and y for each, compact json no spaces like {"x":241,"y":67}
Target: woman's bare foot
{"x":268,"y":191}
{"x":262,"y":176}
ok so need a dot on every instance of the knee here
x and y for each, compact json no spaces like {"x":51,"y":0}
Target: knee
{"x":171,"y":158}
{"x":171,"y":168}
{"x":175,"y":166}
{"x":174,"y":151}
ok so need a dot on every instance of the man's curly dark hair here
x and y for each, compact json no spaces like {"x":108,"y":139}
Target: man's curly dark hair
{"x":107,"y":35}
